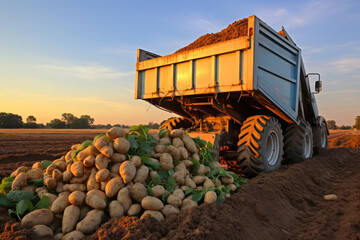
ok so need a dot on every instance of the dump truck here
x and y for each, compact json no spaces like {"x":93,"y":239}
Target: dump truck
{"x":251,"y":93}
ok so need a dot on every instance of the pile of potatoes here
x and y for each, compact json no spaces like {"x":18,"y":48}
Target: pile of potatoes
{"x":102,"y":183}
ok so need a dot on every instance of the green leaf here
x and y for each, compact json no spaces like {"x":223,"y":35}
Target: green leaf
{"x":84,"y":145}
{"x":4,"y":202}
{"x":163,"y":132}
{"x":198,"y":196}
{"x":195,"y":165}
{"x":36,"y":182}
{"x":145,"y":147}
{"x":18,"y":195}
{"x":152,"y":165}
{"x":43,"y":203}
{"x":189,"y":191}
{"x":11,"y":211}
{"x":100,"y":136}
{"x":21,"y":208}
{"x":155,"y":181}
{"x":213,"y":173}
{"x":149,"y":189}
{"x":171,"y":172}
{"x":45,"y":164}
{"x":74,"y":153}
{"x":132,"y":140}
{"x":164,"y":174}
{"x":170,"y":184}
{"x":6,"y":184}
{"x":164,"y":198}
{"x":220,"y":197}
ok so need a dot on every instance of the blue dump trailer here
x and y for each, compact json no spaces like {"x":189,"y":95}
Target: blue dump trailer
{"x":251,"y":93}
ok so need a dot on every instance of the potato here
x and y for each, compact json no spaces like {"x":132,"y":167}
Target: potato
{"x":152,"y":174}
{"x":57,"y":175}
{"x":227,"y":180}
{"x":174,"y":200}
{"x":165,"y":141}
{"x":118,"y":158}
{"x":174,"y":152}
{"x":232,"y":187}
{"x":188,"y":204}
{"x":83,"y":211}
{"x":52,"y":197}
{"x":89,"y":151}
{"x":198,"y":179}
{"x":166,"y":161}
{"x":154,"y":214}
{"x":38,"y":217}
{"x":202,"y":170}
{"x":136,"y":160}
{"x":50,"y":169}
{"x":101,"y":161}
{"x":100,"y":143}
{"x":218,"y":183}
{"x":77,"y":169}
{"x":184,"y":155}
{"x":124,"y":198}
{"x":208,"y":183}
{"x":75,"y":187}
{"x":19,"y":181}
{"x":42,"y":232}
{"x":116,"y":209}
{"x":68,"y":156}
{"x":190,"y":183}
{"x":134,"y":210}
{"x":102,"y":175}
{"x":81,"y":179}
{"x":158,"y":191}
{"x":50,"y":183}
{"x":127,"y":171}
{"x":179,"y":193}
{"x":159,"y":148}
{"x":169,"y":209}
{"x":41,"y":191}
{"x":115,"y":168}
{"x":141,"y":174}
{"x":115,"y":132}
{"x":107,"y":151}
{"x":35,"y":173}
{"x":184,"y":188}
{"x":60,"y":203}
{"x":189,"y":144}
{"x":67,"y":175}
{"x":113,"y":186}
{"x":91,"y":222}
{"x":177,"y":133}
{"x":77,"y":198}
{"x":95,"y":201}
{"x":196,"y":157}
{"x":177,"y":142}
{"x":152,"y":203}
{"x":74,"y":235}
{"x":58,"y":236}
{"x":91,"y":183}
{"x":89,"y":161}
{"x":210,"y":197}
{"x":29,"y":188}
{"x":70,"y":218}
{"x":121,"y":145}
{"x":138,"y":192}
{"x":37,"y":165}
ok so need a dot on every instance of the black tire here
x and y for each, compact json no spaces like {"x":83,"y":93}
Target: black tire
{"x":298,"y":143}
{"x":320,"y":137}
{"x":260,"y":145}
{"x":176,"y":123}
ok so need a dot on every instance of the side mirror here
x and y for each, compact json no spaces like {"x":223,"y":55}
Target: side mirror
{"x":318,"y":86}
{"x":315,"y":77}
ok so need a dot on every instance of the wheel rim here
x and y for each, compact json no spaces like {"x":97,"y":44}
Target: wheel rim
{"x":323,"y":138}
{"x":308,"y":146}
{"x":272,"y":148}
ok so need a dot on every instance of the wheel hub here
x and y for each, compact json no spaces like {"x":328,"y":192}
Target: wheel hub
{"x":272,"y":148}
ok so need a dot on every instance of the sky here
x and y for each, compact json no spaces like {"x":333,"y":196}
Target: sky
{"x":79,"y":56}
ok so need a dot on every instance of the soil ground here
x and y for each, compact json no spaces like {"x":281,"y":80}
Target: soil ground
{"x":286,"y":204}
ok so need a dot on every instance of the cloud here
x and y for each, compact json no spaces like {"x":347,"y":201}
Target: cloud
{"x":347,"y":65}
{"x":309,"y":13}
{"x":205,"y":25}
{"x":92,"y":72}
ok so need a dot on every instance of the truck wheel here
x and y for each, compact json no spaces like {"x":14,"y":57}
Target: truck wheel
{"x":298,"y":142}
{"x":320,"y":137}
{"x":260,"y":145}
{"x":175,"y":123}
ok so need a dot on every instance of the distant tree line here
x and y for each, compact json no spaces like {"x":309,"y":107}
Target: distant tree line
{"x":68,"y":120}
{"x":332,"y":125}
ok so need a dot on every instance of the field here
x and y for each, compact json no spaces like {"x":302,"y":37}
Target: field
{"x":287,"y":204}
